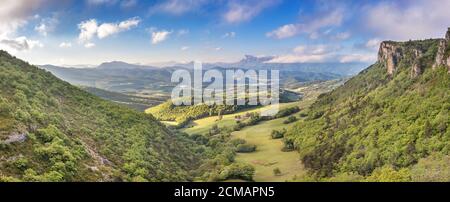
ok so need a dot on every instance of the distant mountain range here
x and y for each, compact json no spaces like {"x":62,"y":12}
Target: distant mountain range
{"x":124,"y":77}
{"x":254,"y":62}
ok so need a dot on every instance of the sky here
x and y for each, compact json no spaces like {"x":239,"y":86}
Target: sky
{"x":90,"y":32}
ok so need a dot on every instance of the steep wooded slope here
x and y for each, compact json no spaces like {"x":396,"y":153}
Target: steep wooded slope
{"x":53,"y":131}
{"x":384,"y":119}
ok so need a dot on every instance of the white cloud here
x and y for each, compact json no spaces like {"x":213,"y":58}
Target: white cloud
{"x":367,"y":58}
{"x":90,"y":28}
{"x":218,"y":49}
{"x":130,"y":23}
{"x":373,"y":44}
{"x":15,"y":13}
{"x":42,"y":29}
{"x":160,"y":36}
{"x":403,"y":21}
{"x":310,"y":27}
{"x":323,"y":53}
{"x":229,"y":35}
{"x":184,"y":48}
{"x":19,"y":44}
{"x":311,"y":53}
{"x":284,"y":31}
{"x":298,"y":59}
{"x":177,"y":7}
{"x":242,"y":11}
{"x":107,"y":29}
{"x":65,"y":45}
{"x":46,"y":25}
{"x":89,"y":45}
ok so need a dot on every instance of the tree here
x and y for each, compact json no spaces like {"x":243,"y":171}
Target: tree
{"x":237,"y":171}
{"x":278,"y":134}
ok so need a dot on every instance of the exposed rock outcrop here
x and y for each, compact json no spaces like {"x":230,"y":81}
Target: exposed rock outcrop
{"x":440,"y":54}
{"x":391,"y":53}
{"x":416,"y":70}
{"x":443,"y":56}
{"x":16,"y":138}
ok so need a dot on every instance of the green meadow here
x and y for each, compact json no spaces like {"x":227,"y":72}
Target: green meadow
{"x":268,"y":155}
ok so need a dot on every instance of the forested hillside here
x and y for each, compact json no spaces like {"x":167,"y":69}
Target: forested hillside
{"x":389,"y":123}
{"x":53,"y":131}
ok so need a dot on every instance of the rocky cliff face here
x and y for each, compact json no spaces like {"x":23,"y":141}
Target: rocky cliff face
{"x":443,"y":54}
{"x":391,"y":53}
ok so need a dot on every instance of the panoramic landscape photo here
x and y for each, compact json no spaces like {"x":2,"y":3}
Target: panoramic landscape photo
{"x":224,"y":91}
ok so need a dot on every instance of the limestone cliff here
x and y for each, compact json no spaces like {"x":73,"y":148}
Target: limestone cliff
{"x":443,"y":54}
{"x":390,"y":54}
{"x":415,"y":55}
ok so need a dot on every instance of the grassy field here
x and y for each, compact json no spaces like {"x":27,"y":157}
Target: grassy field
{"x":202,"y":126}
{"x":268,"y":154}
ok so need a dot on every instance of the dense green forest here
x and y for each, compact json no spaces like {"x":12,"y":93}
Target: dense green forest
{"x":53,"y":131}
{"x":381,"y":126}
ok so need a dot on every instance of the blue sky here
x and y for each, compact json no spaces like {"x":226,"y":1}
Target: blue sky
{"x":69,"y":32}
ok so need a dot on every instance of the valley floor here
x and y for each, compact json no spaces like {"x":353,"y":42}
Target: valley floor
{"x":268,"y":155}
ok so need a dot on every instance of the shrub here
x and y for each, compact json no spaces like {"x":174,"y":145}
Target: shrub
{"x":246,"y":148}
{"x":289,"y":120}
{"x":276,"y":171}
{"x":21,"y":163}
{"x":214,"y":130}
{"x":278,"y":134}
{"x":303,"y":115}
{"x":255,"y":118}
{"x":288,"y":145}
{"x":287,"y":112}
